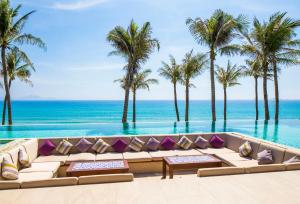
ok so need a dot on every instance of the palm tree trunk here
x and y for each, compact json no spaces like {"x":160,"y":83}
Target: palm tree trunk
{"x":6,"y":85}
{"x":187,"y":102}
{"x":275,"y":72}
{"x":4,"y":105}
{"x":125,"y":108}
{"x":212,"y":84}
{"x":256,"y":99}
{"x":265,"y":90}
{"x":225,"y":104}
{"x":133,"y":106}
{"x":175,"y":102}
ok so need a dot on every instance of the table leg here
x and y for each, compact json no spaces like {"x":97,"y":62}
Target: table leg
{"x":171,"y":172}
{"x":164,"y":169}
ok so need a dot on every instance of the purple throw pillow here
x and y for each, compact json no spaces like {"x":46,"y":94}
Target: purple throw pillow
{"x":119,"y":145}
{"x":46,"y":148}
{"x":152,"y":144}
{"x":168,"y":143}
{"x":83,"y":145}
{"x":265,"y":157}
{"x":216,"y":142}
{"x":201,"y":142}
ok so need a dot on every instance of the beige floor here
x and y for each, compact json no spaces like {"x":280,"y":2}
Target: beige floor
{"x":281,"y":187}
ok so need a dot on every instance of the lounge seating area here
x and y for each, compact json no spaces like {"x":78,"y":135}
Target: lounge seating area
{"x":43,"y":162}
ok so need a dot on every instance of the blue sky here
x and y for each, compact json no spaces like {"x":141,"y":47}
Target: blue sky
{"x":76,"y":64}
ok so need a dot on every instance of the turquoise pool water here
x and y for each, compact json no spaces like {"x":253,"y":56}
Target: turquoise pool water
{"x":91,"y":118}
{"x":285,"y":132}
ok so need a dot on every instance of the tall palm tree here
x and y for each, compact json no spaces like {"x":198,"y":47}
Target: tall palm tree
{"x":172,"y":72}
{"x":140,"y":81}
{"x":253,"y":69}
{"x":192,"y":66}
{"x":217,"y":33}
{"x":11,"y":34}
{"x":19,"y":66}
{"x":228,"y":77}
{"x":283,"y":47}
{"x":135,"y":45}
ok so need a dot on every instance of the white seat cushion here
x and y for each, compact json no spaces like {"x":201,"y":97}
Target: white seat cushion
{"x":137,"y":156}
{"x":179,"y":152}
{"x":248,"y":163}
{"x":216,"y":150}
{"x":81,"y":157}
{"x":233,"y":157}
{"x":158,"y":155}
{"x":109,"y":156}
{"x":42,"y":167}
{"x":52,"y":158}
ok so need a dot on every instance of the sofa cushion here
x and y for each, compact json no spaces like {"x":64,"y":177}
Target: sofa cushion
{"x":46,"y":148}
{"x":9,"y":169}
{"x":24,"y":158}
{"x":109,"y":156}
{"x":265,"y":157}
{"x":168,"y":143}
{"x":201,"y":142}
{"x":216,"y":150}
{"x":158,"y":155}
{"x":290,"y":153}
{"x":245,"y":149}
{"x":184,"y":142}
{"x":64,"y":147}
{"x":41,"y":167}
{"x":216,"y":141}
{"x":105,"y":178}
{"x":233,"y":142}
{"x":100,"y":146}
{"x":188,"y":152}
{"x":294,"y":159}
{"x":220,"y":171}
{"x":119,"y":145}
{"x":232,"y":157}
{"x":137,"y":156}
{"x":31,"y":147}
{"x":255,"y":144}
{"x":152,"y":144}
{"x":136,"y":144}
{"x":83,"y":145}
{"x":277,"y":152}
{"x":81,"y":157}
{"x":52,"y":158}
{"x":68,"y":181}
{"x":244,"y":163}
{"x":35,"y":176}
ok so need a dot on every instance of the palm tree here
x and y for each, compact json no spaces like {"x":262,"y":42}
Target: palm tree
{"x":192,"y":66}
{"x":254,"y":70}
{"x":140,"y":81}
{"x":135,"y":45}
{"x":11,"y":34}
{"x":217,"y":33}
{"x":19,"y":66}
{"x":283,"y":47}
{"x":172,"y":72}
{"x":228,"y":77}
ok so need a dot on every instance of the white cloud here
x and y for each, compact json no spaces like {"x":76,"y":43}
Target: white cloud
{"x":78,"y":5}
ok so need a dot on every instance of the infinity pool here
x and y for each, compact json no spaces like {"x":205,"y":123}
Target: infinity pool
{"x":285,"y":132}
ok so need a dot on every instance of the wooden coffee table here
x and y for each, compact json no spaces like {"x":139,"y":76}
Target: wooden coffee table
{"x":97,"y":167}
{"x":189,"y":162}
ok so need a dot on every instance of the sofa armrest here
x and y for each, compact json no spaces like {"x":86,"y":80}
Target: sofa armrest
{"x":292,"y":166}
{"x":265,"y":168}
{"x":219,"y":171}
{"x":68,"y":181}
{"x":105,"y":178}
{"x":5,"y":184}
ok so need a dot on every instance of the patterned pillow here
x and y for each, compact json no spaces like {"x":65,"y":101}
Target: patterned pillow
{"x":294,"y":159}
{"x":100,"y":146}
{"x":184,"y":142}
{"x":24,"y":158}
{"x":265,"y":157}
{"x":9,"y":170}
{"x":83,"y":145}
{"x":46,"y":148}
{"x":216,"y":141}
{"x":201,"y":142}
{"x":168,"y":143}
{"x":119,"y":145}
{"x":245,"y":149}
{"x":136,"y":144}
{"x":152,"y":144}
{"x":64,"y":147}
